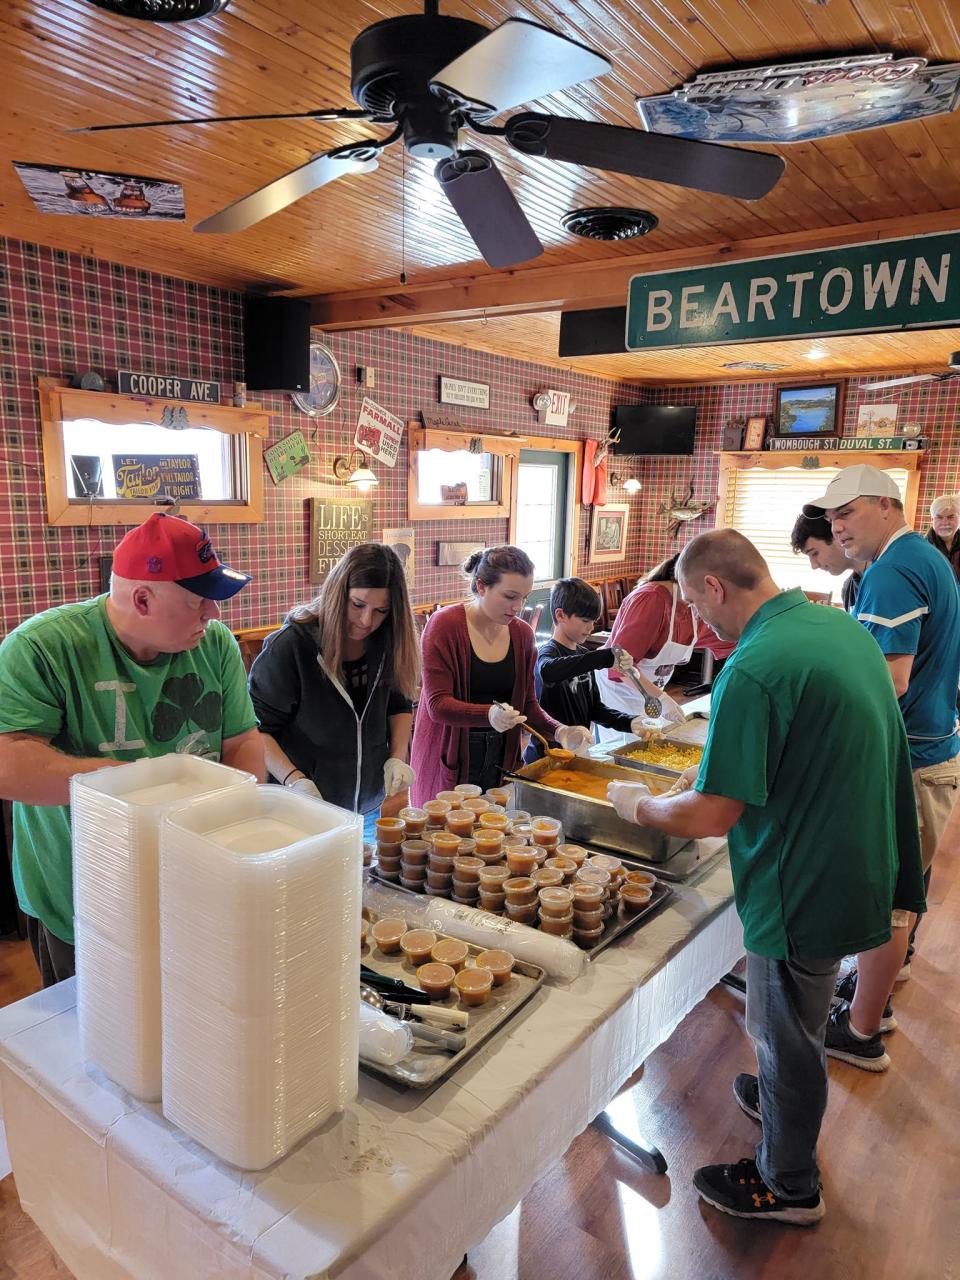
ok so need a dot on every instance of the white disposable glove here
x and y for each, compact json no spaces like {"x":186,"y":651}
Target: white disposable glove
{"x":646,"y":730}
{"x":575,"y":738}
{"x":671,"y":711}
{"x":397,"y":776}
{"x":626,"y":797}
{"x":623,"y":661}
{"x":685,"y":781}
{"x":305,"y":787}
{"x":503,"y":717}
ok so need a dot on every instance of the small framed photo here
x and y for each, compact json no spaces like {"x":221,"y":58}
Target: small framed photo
{"x":809,"y":411}
{"x":754,"y":433}
{"x":608,"y":532}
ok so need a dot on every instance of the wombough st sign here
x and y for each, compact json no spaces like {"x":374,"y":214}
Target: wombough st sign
{"x":879,"y":286}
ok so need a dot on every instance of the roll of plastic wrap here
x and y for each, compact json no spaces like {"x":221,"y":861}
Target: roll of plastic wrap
{"x":383,"y":1040}
{"x":115,"y":816}
{"x":260,"y":948}
{"x":557,"y":957}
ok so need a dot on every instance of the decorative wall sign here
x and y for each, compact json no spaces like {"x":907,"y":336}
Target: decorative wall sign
{"x":754,"y":432}
{"x":168,"y":387}
{"x":731,"y":436}
{"x":794,"y":103}
{"x":403,"y":542}
{"x":378,"y":433}
{"x":456,"y":552}
{"x":808,"y":411}
{"x":336,"y":525}
{"x":846,"y":444}
{"x":151,"y":475}
{"x":459,"y":391}
{"x":874,"y":287}
{"x":287,"y":457}
{"x":440,"y":420}
{"x":608,"y":532}
{"x":61,"y":189}
{"x":877,"y":419}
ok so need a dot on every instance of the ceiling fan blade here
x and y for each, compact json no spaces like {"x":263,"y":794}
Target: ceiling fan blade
{"x":704,"y":166}
{"x":519,"y":61}
{"x":323,"y":113}
{"x":901,"y":382}
{"x":488,"y":209}
{"x":277,"y":195}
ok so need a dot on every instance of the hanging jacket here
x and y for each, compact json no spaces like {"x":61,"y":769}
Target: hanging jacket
{"x":310,"y":714}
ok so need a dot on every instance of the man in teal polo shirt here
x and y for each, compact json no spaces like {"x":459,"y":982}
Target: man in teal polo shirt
{"x":807,"y":767}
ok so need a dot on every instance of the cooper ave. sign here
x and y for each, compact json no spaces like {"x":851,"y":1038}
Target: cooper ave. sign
{"x":878,"y":286}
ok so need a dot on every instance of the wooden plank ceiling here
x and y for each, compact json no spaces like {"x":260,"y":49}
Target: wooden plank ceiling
{"x":70,"y":64}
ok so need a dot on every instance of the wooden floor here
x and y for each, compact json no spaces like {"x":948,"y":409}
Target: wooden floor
{"x":890,"y":1152}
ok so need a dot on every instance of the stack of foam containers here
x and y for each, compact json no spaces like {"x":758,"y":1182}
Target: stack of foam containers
{"x":260,"y":896}
{"x":115,"y":816}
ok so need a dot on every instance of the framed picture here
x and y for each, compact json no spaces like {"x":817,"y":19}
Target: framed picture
{"x":404,"y":544}
{"x":608,"y":532}
{"x":809,"y":411}
{"x":754,"y":432}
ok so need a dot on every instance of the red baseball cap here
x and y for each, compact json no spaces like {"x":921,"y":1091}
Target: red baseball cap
{"x":168,"y":549}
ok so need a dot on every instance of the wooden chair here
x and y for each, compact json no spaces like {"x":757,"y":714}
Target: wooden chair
{"x":250,"y":640}
{"x":597,"y":585}
{"x":531,"y":615}
{"x":819,"y":597}
{"x":612,"y":589}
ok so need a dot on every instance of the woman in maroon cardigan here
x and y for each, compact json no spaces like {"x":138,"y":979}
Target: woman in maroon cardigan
{"x":478,"y":664}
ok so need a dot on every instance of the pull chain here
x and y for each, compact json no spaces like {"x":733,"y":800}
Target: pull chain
{"x":403,"y":215}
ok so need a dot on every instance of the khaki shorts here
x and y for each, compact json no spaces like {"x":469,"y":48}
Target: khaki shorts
{"x":936,"y":787}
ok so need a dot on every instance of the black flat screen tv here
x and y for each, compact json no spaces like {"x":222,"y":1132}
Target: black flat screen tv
{"x":655,"y":428}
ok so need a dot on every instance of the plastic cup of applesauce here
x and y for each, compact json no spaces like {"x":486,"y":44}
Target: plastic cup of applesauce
{"x":500,"y":963}
{"x":468,"y":789}
{"x":467,"y":867}
{"x":593,"y":875}
{"x":439,"y":881}
{"x":415,"y":820}
{"x":450,"y":951}
{"x":492,"y":878}
{"x":473,"y":985}
{"x":489,"y":844}
{"x":634,"y":897}
{"x":521,"y":913}
{"x":521,"y":891}
{"x":416,"y":945}
{"x":451,"y":797}
{"x":467,"y":845}
{"x":575,"y":852}
{"x":443,"y":866}
{"x":476,"y":805}
{"x":521,"y":861}
{"x":435,"y":979}
{"x":587,"y":938}
{"x":559,"y":926}
{"x":586,"y":897}
{"x":460,"y":823}
{"x":387,"y":933}
{"x":555,"y":902}
{"x":566,"y":866}
{"x":414,"y":851}
{"x":446,"y":844}
{"x":494,"y":902}
{"x":643,"y":878}
{"x":519,"y":816}
{"x":388,"y":857}
{"x":546,"y":878}
{"x":588,"y":919}
{"x":416,"y":872}
{"x":390,"y":830}
{"x":545,"y":830}
{"x":607,"y":863}
{"x":465,"y":890}
{"x":436,"y":811}
{"x":491,"y":820}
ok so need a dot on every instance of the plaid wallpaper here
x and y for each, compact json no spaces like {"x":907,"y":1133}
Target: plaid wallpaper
{"x":61,"y":313}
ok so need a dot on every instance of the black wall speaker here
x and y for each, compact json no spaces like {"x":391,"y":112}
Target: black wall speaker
{"x":276,"y":343}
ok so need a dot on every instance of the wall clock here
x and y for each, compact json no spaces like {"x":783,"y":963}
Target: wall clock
{"x":324,"y":383}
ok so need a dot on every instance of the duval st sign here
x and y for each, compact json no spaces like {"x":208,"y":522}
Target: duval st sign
{"x":876,"y":287}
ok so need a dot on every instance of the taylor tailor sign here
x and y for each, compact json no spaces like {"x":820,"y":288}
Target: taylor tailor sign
{"x":880,"y":286}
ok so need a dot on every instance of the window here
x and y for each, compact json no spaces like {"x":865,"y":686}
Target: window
{"x":763,"y":504}
{"x":542,"y":511}
{"x":142,"y":462}
{"x":454,"y":475}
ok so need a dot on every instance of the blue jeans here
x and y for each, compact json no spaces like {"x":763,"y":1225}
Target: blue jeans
{"x":787,"y":1006}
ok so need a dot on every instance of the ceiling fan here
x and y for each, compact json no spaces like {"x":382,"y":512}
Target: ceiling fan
{"x":952,"y":371}
{"x":432,"y":76}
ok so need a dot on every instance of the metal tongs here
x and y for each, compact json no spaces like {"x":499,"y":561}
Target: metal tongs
{"x":652,"y":707}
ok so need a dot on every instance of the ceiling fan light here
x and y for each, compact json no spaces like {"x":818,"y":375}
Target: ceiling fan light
{"x":162,"y":10}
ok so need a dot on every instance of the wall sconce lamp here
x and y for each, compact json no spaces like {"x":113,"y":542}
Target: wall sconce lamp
{"x":352,"y":469}
{"x":630,"y":484}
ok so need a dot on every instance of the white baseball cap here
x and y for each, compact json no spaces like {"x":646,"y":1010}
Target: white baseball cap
{"x":860,"y":481}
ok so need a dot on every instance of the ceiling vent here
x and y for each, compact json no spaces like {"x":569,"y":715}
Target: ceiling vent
{"x":162,"y":10}
{"x":608,"y":223}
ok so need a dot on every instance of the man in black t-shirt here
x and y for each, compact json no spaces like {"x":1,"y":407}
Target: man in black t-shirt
{"x":565,"y":685}
{"x":813,"y":537}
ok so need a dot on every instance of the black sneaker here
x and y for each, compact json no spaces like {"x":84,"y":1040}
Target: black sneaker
{"x":739,"y":1190}
{"x":746,"y":1090}
{"x":845,"y":990}
{"x":841,"y":1043}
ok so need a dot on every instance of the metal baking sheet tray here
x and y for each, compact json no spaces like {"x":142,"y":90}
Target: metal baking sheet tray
{"x":426,"y":1066}
{"x":620,"y":757}
{"x":595,"y":822}
{"x":615,"y":927}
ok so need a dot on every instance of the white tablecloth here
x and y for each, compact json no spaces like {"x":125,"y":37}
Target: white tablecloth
{"x":400,"y":1185}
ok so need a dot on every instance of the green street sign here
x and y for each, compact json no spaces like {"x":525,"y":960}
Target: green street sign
{"x":879,"y":286}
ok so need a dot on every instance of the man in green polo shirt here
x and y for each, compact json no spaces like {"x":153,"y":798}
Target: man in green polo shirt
{"x":807,"y":767}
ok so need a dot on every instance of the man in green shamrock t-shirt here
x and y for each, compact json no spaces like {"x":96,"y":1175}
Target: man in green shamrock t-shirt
{"x":143,"y":671}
